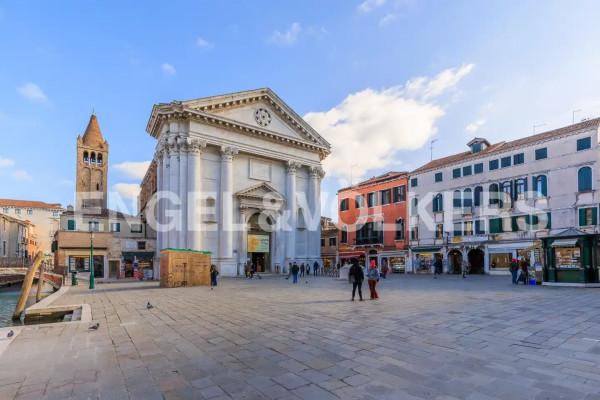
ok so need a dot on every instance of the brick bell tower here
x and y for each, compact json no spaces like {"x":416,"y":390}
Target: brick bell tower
{"x":92,"y":169}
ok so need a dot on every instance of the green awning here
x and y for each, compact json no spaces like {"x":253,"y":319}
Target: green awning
{"x":425,"y":249}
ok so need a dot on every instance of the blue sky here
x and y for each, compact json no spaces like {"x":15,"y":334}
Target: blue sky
{"x":391,"y":75}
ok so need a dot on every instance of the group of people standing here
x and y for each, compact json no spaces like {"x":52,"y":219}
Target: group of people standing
{"x":519,"y":270}
{"x":302,"y":270}
{"x":357,"y":277}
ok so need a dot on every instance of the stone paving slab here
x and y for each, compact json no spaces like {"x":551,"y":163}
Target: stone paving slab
{"x":449,"y":338}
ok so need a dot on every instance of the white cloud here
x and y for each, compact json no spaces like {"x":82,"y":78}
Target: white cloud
{"x":387,"y":19}
{"x":288,"y":37}
{"x":378,"y":123}
{"x":6,"y":162}
{"x":32,"y":92}
{"x":168,"y":69}
{"x":128,"y":191}
{"x":369,"y":5}
{"x":203,"y":43}
{"x":474,"y":126}
{"x":20,"y":175}
{"x":133,"y":169}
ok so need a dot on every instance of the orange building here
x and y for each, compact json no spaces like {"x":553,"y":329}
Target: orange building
{"x":372,"y":216}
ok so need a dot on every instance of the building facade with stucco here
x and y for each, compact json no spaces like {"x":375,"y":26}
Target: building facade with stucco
{"x":238,"y":175}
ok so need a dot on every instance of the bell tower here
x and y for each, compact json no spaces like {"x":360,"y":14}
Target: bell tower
{"x":92,"y":169}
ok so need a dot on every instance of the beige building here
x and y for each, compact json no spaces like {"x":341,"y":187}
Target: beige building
{"x":329,"y":245}
{"x":14,"y":240}
{"x":45,"y":217}
{"x":120,"y":243}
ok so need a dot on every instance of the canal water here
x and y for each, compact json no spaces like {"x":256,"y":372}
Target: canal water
{"x":9,"y":296}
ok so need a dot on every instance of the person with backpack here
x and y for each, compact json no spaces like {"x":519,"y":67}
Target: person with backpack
{"x":357,"y":277}
{"x":373,"y":278}
{"x":295,"y":270}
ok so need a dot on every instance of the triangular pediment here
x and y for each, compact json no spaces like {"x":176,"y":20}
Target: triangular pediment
{"x":259,"y":192}
{"x":261,"y":109}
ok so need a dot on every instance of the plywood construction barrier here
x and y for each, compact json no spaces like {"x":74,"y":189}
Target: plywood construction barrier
{"x":179,"y":267}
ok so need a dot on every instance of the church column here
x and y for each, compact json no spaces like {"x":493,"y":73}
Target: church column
{"x":290,"y":194}
{"x":194,"y":235}
{"x":164,"y":188}
{"x":159,"y":185}
{"x":183,"y":191}
{"x":316,"y":173}
{"x":243,"y":237}
{"x":226,"y":203}
{"x":174,"y":190}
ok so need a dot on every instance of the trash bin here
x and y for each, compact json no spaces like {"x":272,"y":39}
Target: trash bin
{"x":74,"y":281}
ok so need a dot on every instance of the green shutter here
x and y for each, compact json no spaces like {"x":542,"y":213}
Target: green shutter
{"x":582,"y":217}
{"x":595,"y":216}
{"x":495,"y":225}
{"x":71,"y":225}
{"x":118,"y":227}
{"x":514,"y":224}
{"x":549,"y":224}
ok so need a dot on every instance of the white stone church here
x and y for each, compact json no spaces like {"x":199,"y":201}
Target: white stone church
{"x":238,"y":175}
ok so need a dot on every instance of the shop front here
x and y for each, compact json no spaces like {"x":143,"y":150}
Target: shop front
{"x":137,"y":264}
{"x":423,"y":259}
{"x":572,"y":259}
{"x":500,"y":255}
{"x":346,"y":257}
{"x":394,"y":260}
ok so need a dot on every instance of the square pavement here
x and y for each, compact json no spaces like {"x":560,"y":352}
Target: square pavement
{"x":444,"y":339}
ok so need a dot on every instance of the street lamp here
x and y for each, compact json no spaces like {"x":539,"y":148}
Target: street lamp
{"x":92,"y":224}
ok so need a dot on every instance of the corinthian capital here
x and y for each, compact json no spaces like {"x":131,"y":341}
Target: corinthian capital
{"x":228,"y":152}
{"x":196,"y":146}
{"x":292,"y":166}
{"x":316,"y":172}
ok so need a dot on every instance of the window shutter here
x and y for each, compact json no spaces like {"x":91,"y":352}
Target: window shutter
{"x":549,"y":223}
{"x":582,"y":217}
{"x":595,"y":216}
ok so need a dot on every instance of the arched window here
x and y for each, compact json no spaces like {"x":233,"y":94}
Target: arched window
{"x":438,"y":203}
{"x":99,"y":159}
{"x":344,"y":233}
{"x":478,"y":196}
{"x":494,"y":191}
{"x":415,"y":206}
{"x":467,"y":198}
{"x":520,"y":189}
{"x":584,"y":179}
{"x":457,"y":199}
{"x":506,"y":189}
{"x":93,"y":158}
{"x":399,"y":229}
{"x":86,"y":157}
{"x":540,"y":185}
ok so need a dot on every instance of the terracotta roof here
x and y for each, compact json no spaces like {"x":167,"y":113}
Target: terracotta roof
{"x":92,"y":136}
{"x":102,"y":214}
{"x":28,"y":204}
{"x":506,"y":146}
{"x":388,"y":176}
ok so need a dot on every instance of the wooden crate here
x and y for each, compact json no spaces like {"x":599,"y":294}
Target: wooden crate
{"x":184,"y":268}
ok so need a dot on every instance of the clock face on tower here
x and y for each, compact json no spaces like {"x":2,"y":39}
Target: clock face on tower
{"x":262,"y":117}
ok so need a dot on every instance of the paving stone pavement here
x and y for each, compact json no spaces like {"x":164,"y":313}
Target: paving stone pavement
{"x":479,"y":338}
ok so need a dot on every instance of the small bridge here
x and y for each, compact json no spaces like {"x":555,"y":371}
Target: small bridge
{"x":14,"y":276}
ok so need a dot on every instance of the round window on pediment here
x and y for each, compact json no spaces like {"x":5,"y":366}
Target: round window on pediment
{"x":262,"y":117}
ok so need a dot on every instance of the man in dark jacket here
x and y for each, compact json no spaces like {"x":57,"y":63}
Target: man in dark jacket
{"x":357,"y":276}
{"x":295,"y":270}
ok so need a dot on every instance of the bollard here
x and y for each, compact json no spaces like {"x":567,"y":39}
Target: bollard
{"x":74,"y":281}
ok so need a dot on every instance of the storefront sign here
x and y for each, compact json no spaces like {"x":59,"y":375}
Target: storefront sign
{"x":258,"y":243}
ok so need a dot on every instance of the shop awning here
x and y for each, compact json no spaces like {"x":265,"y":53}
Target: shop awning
{"x":352,"y":253}
{"x":425,"y":249}
{"x":565,"y":243}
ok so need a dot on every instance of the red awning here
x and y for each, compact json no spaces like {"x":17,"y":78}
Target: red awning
{"x":352,"y":254}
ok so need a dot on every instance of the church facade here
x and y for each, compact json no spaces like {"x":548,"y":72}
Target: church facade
{"x":238,"y":175}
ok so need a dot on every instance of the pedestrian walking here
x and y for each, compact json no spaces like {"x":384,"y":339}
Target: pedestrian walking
{"x":437,"y":267}
{"x":465,"y":268}
{"x":357,"y":277}
{"x":384,"y":271}
{"x":213,"y":276}
{"x":373,"y":277}
{"x":315,"y":268}
{"x":514,"y":268}
{"x":302,"y":270}
{"x":295,"y":270}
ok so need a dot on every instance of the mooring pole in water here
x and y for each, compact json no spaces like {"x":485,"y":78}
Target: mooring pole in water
{"x":27,"y":282}
{"x":40,"y":286}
